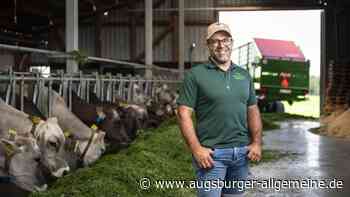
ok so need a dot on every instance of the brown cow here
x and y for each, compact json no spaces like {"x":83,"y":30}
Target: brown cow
{"x":106,"y":117}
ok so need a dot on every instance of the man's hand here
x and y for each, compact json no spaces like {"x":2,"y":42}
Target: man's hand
{"x":203,"y":157}
{"x":254,"y":152}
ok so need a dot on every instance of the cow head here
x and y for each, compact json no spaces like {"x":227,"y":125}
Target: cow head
{"x":140,"y":115}
{"x":91,"y":149}
{"x":51,"y":140}
{"x":138,"y":95}
{"x":115,"y":130}
{"x":22,"y":156}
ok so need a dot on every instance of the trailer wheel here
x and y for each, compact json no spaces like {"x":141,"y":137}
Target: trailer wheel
{"x":279,"y":107}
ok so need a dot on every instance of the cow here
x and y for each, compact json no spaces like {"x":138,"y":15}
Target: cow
{"x":48,"y":134}
{"x":106,"y":117}
{"x":89,"y":142}
{"x":133,"y":116}
{"x":20,"y":168}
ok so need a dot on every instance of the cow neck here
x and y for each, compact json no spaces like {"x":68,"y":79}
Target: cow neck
{"x":81,"y":158}
{"x":8,"y":159}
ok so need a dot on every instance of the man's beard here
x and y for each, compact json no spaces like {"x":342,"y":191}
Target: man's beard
{"x":226,"y":58}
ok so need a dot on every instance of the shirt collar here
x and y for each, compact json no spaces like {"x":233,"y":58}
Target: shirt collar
{"x":213,"y":64}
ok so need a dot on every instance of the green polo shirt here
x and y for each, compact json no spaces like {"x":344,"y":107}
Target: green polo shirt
{"x":220,"y":100}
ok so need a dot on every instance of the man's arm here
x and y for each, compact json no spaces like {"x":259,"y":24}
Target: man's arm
{"x":255,"y":128}
{"x":201,"y":154}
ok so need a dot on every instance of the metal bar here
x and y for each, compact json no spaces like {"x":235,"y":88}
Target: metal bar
{"x":181,"y":32}
{"x":36,"y":90}
{"x":234,"y":8}
{"x":8,"y":92}
{"x":35,"y":50}
{"x":72,"y":29}
{"x":120,"y":89}
{"x":22,"y":95}
{"x":60,"y":54}
{"x":148,"y":38}
{"x":49,"y":95}
{"x":78,"y":79}
{"x":87,"y":91}
{"x":102,"y":89}
{"x":70,"y":95}
{"x":13,"y":97}
{"x":130,"y":88}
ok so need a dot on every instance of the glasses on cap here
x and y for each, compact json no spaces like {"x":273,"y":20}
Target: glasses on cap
{"x":215,"y":42}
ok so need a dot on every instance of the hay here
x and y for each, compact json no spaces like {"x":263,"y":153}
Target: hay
{"x":340,"y":127}
{"x":324,"y":120}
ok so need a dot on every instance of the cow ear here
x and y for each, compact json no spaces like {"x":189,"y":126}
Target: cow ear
{"x":9,"y":146}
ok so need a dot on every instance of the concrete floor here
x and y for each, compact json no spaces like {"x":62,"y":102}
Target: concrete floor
{"x":313,"y":156}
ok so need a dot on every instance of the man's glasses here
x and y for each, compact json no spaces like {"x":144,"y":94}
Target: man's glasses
{"x":215,"y":42}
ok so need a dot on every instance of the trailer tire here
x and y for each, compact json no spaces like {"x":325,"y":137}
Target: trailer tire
{"x":279,"y":107}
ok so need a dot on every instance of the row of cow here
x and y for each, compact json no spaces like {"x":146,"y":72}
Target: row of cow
{"x":36,"y":148}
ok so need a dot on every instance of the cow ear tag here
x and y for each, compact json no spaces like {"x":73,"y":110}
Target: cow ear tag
{"x":9,"y":148}
{"x":12,"y":134}
{"x":94,"y":127}
{"x":66,"y":134}
{"x":123,"y":104}
{"x":35,"y":119}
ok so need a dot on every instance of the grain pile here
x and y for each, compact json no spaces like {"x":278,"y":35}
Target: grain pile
{"x":336,"y":122}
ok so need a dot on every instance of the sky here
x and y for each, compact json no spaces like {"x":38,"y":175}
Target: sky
{"x":302,"y":27}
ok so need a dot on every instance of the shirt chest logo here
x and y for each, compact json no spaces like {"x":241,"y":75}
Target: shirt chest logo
{"x":238,"y":76}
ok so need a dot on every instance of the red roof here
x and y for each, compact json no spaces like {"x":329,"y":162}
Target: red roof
{"x":279,"y":49}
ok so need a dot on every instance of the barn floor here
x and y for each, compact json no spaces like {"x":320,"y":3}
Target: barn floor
{"x":313,"y":156}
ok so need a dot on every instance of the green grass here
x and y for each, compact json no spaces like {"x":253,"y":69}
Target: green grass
{"x":310,"y":107}
{"x":158,"y":154}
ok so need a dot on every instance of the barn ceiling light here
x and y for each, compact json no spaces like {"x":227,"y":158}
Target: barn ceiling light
{"x":105,"y":13}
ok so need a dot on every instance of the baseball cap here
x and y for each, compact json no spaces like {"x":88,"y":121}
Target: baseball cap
{"x":215,"y":27}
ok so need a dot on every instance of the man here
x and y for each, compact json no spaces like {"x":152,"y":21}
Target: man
{"x":228,"y":128}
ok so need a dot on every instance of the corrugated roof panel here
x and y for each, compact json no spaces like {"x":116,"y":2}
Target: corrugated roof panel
{"x":163,"y":51}
{"x":199,"y":15}
{"x":140,"y":40}
{"x":6,"y":60}
{"x":115,"y":42}
{"x":196,"y":34}
{"x":87,"y":40}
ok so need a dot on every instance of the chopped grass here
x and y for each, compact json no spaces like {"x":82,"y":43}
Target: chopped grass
{"x":158,"y":154}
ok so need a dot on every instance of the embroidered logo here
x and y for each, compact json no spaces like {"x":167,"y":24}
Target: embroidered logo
{"x":238,"y":76}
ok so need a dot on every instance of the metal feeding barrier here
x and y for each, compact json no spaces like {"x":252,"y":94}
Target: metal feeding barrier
{"x":107,"y":88}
